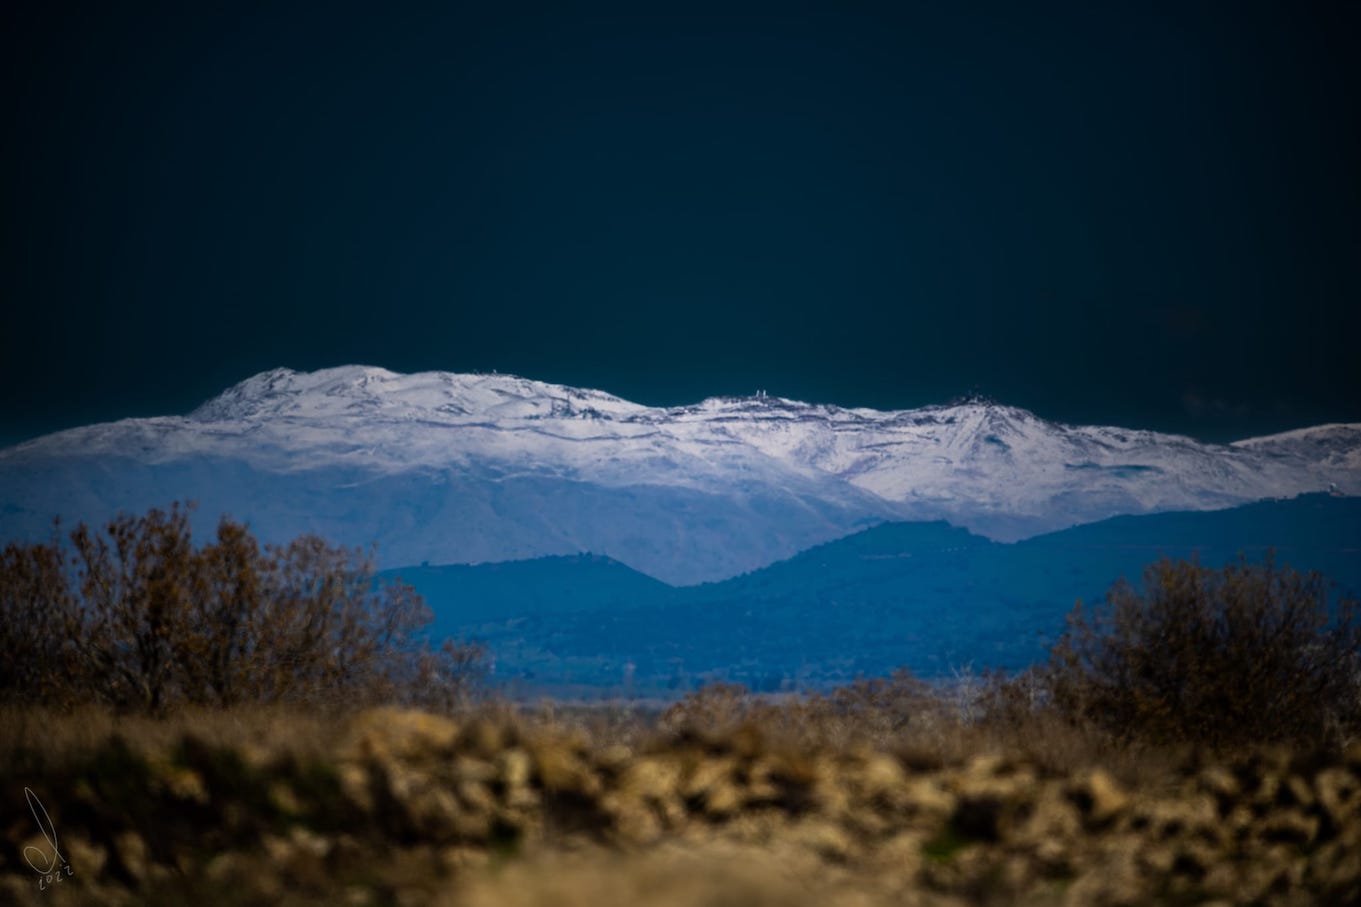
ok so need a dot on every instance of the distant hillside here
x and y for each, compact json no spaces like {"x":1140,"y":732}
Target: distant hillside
{"x":547,"y":585}
{"x":926,"y":595}
{"x":1310,"y":532}
{"x":873,"y":555}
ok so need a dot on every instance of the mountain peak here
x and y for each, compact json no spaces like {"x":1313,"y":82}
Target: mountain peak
{"x":352,"y":390}
{"x":355,"y":389}
{"x":983,"y":412}
{"x":272,"y":391}
{"x":975,"y":397}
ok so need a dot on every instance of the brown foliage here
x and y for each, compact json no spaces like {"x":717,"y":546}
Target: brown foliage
{"x":714,"y":705}
{"x":35,"y":604}
{"x":140,"y":618}
{"x":877,"y":711}
{"x":1247,"y":654}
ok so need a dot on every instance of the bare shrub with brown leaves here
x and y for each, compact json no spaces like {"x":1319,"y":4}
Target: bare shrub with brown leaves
{"x":1244,"y":655}
{"x":140,"y":618}
{"x":36,"y":605}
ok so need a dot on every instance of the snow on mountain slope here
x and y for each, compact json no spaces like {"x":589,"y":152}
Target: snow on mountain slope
{"x":1007,"y":473}
{"x":1334,"y":448}
{"x":461,"y":468}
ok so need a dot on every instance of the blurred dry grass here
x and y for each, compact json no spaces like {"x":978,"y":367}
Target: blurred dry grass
{"x":920,"y":724}
{"x":58,"y":740}
{"x":705,"y":875}
{"x":884,"y":793}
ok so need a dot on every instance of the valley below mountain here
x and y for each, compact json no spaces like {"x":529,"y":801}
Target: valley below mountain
{"x":943,"y":602}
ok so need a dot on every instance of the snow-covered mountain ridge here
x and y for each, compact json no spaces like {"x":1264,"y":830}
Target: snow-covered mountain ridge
{"x":500,"y":466}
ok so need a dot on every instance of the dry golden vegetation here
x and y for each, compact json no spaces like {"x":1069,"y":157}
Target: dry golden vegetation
{"x":721,"y":801}
{"x":230,"y":724}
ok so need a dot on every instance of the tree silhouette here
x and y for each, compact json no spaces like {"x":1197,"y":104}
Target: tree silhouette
{"x":1246,"y":654}
{"x":139,"y":618}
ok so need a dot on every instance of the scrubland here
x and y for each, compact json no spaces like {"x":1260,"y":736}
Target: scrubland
{"x":720,"y":800}
{"x":231,"y":725}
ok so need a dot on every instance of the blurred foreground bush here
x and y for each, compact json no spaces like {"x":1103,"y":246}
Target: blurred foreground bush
{"x":1244,"y":655}
{"x":139,"y":618}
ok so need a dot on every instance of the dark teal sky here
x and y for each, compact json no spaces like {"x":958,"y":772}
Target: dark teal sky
{"x":1135,"y":213}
